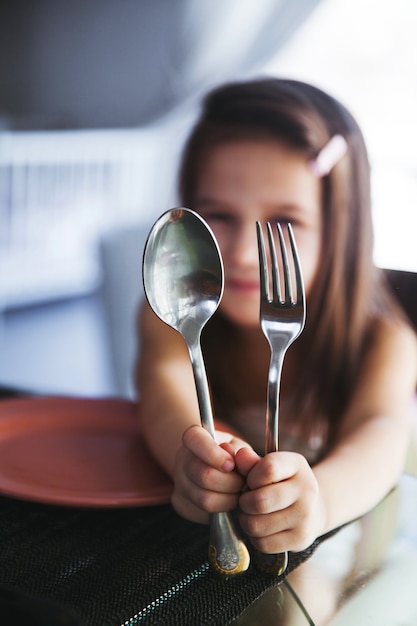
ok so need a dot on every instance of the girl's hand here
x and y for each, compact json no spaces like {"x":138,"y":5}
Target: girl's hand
{"x":283,"y":509}
{"x":205,"y":478}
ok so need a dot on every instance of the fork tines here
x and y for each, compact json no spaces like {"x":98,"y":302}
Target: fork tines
{"x":276,"y":296}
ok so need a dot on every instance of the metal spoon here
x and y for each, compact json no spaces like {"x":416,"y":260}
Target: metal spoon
{"x":183,"y":281}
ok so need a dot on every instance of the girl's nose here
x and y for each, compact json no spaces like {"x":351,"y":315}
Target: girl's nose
{"x":244,"y":244}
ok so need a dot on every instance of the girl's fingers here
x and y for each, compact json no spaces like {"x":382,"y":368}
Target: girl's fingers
{"x":198,"y":441}
{"x":257,"y":526}
{"x":211,"y":501}
{"x":207,"y":477}
{"x":267,"y":500}
{"x":187,"y":509}
{"x":276,"y":543}
{"x":203,"y":488}
{"x":228,"y":447}
{"x":245,"y":460}
{"x":275,"y":468}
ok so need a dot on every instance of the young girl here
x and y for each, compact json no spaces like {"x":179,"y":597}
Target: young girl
{"x":283,"y":151}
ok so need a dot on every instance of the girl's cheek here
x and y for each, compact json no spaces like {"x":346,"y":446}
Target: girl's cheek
{"x":222,"y":234}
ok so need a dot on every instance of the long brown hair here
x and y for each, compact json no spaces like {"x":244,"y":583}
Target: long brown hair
{"x":348,"y":290}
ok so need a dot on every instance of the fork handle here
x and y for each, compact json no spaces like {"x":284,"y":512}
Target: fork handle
{"x":272,"y":410}
{"x":228,"y":555}
{"x":273,"y":564}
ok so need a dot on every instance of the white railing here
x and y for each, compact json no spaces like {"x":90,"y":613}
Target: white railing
{"x":59,"y":191}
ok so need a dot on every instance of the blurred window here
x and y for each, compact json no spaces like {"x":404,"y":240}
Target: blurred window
{"x":364,"y":52}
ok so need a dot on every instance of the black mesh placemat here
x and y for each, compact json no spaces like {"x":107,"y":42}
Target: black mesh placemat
{"x":122,"y":566}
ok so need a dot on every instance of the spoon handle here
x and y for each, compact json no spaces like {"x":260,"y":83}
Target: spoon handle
{"x":228,"y":554}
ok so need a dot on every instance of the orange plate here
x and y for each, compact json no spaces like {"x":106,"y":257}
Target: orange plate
{"x":77,"y":452}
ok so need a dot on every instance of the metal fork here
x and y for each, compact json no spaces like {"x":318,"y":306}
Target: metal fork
{"x":282,"y":318}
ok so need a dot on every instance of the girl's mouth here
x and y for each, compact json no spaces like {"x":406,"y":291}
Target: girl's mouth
{"x":244,"y":285}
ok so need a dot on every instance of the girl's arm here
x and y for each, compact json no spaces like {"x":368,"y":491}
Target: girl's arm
{"x":370,"y":453}
{"x":164,"y":379}
{"x":202,"y":470}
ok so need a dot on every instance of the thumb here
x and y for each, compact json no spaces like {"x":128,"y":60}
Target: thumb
{"x":245,"y":460}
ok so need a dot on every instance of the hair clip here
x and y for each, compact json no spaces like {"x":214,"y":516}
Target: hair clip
{"x":328,"y":156}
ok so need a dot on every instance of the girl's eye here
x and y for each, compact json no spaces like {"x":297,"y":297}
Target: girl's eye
{"x":284,"y":220}
{"x":216,"y":216}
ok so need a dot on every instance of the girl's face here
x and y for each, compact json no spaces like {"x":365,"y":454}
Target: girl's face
{"x":248,"y":180}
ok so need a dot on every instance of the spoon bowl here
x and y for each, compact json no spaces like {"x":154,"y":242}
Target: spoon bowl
{"x":182,"y":271}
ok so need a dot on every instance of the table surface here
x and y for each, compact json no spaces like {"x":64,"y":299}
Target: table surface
{"x":362,"y":575}
{"x":146,"y":565}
